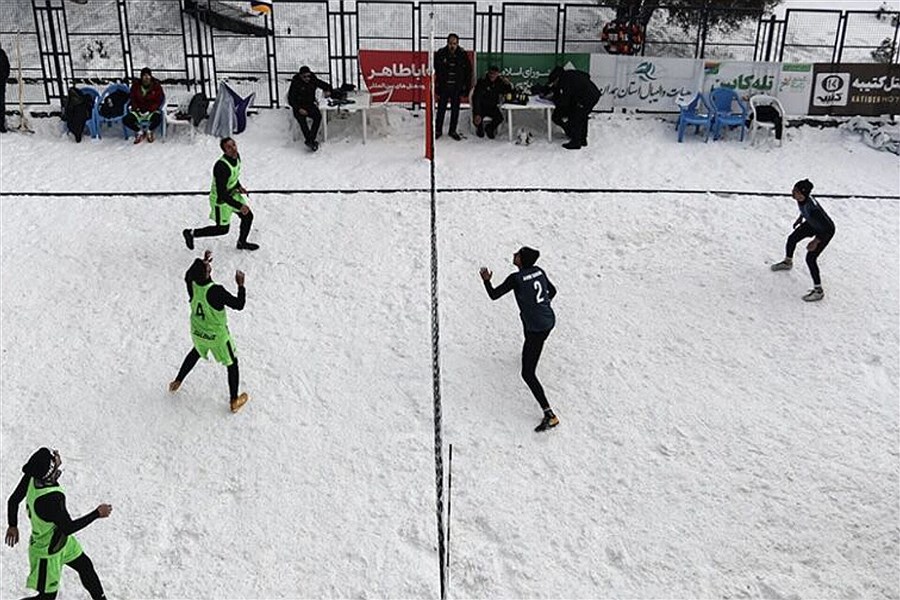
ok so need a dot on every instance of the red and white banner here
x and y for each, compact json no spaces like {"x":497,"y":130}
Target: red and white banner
{"x":400,"y":71}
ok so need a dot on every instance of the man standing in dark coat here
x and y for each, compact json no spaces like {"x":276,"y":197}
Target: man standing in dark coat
{"x":453,"y":73}
{"x":486,"y":99}
{"x":4,"y":76}
{"x":574,"y":95}
{"x":302,"y":99}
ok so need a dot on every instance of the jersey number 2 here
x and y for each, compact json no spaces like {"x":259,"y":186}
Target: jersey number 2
{"x":537,"y":295}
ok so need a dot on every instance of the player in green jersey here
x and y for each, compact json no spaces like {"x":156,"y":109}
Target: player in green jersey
{"x":52,"y":543}
{"x":226,"y":197}
{"x":209,"y":325}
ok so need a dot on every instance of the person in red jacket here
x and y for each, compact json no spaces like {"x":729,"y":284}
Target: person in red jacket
{"x":146,"y":107}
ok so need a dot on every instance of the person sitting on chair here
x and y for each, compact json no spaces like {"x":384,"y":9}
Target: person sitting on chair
{"x":146,"y":106}
{"x":489,"y":93}
{"x":302,"y":100}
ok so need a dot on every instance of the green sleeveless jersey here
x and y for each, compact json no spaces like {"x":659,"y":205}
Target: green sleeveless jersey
{"x":206,"y":322}
{"x":41,"y":530}
{"x":233,"y":179}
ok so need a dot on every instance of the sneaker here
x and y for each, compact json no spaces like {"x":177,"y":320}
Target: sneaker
{"x":138,"y":138}
{"x":188,"y":238}
{"x":455,"y":136}
{"x":814,"y":295}
{"x":174,"y":385}
{"x":237,"y":403}
{"x":785,"y":265}
{"x":151,"y":136}
{"x":479,"y":130}
{"x":548,"y":422}
{"x":247,"y":246}
{"x":572,"y":146}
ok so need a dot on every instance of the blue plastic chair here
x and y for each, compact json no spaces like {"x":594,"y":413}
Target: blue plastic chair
{"x":100,"y":120}
{"x":699,"y":113}
{"x":162,"y":123}
{"x":95,"y":98}
{"x":724,"y":101}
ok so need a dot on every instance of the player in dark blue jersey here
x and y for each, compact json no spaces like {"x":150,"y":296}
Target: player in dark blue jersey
{"x":813,"y":222}
{"x":533,"y":292}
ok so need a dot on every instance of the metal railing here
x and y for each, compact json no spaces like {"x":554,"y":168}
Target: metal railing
{"x":192,"y":45}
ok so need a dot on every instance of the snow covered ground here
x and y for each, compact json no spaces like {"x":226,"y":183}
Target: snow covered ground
{"x":719,"y":437}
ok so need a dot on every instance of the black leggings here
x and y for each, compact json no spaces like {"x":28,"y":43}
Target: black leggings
{"x":531,"y":354}
{"x":802,"y":232}
{"x":89,"y":579}
{"x":216,"y":230}
{"x":234,"y":376}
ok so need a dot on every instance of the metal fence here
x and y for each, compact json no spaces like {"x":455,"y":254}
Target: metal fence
{"x":192,"y":45}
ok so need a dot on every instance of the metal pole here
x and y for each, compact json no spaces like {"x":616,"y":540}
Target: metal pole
{"x":54,"y":49}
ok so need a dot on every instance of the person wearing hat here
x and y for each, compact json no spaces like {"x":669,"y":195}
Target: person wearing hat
{"x":533,"y":292}
{"x":52,"y":543}
{"x":487,"y":96}
{"x":227,"y":197}
{"x":209,"y":325}
{"x":302,"y":100}
{"x":453,"y":79}
{"x":813,"y":222}
{"x":146,"y":109}
{"x":574,"y":96}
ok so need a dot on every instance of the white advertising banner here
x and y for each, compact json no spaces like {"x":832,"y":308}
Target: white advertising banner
{"x":795,"y":84}
{"x":791,"y":83}
{"x":651,"y":84}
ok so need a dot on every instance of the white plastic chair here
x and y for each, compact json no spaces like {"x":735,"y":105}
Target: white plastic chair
{"x":763,"y":100}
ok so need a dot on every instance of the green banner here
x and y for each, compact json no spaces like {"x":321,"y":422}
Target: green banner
{"x":525,"y":70}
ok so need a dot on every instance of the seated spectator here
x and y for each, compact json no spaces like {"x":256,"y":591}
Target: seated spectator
{"x":302,"y":100}
{"x":489,"y":93}
{"x":146,"y":106}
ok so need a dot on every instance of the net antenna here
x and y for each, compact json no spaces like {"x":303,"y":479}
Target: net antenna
{"x":24,"y":126}
{"x":429,"y":91}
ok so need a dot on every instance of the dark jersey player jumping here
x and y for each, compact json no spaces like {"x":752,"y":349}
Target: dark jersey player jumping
{"x":533,"y":292}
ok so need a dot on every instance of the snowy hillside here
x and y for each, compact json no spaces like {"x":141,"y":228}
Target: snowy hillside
{"x":719,"y":436}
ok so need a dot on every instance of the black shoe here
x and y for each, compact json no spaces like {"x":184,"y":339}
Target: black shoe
{"x":437,"y":135}
{"x":313,"y":145}
{"x":572,"y":146}
{"x":188,"y":238}
{"x":247,"y":246}
{"x":491,"y":131}
{"x":548,"y":422}
{"x":479,"y":130}
{"x":455,"y":136}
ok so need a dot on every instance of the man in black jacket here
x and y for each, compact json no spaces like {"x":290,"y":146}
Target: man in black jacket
{"x":302,"y":99}
{"x":52,"y":543}
{"x":453,"y":74}
{"x":489,"y":93}
{"x":533,"y":292}
{"x":813,"y":222}
{"x":4,"y":76}
{"x":574,"y":95}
